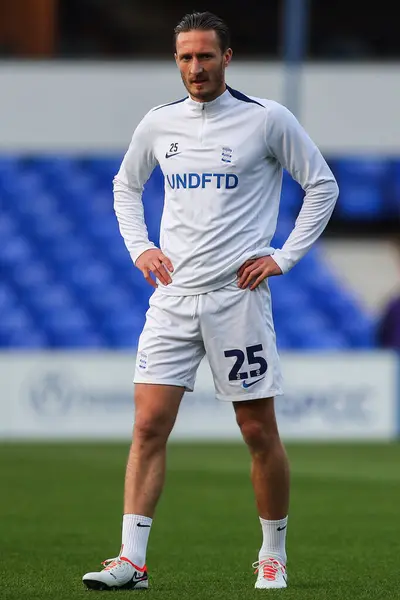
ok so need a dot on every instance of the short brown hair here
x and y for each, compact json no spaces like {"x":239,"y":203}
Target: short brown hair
{"x":204,"y":21}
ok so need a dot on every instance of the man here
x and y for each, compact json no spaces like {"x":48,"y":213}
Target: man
{"x":222,"y":155}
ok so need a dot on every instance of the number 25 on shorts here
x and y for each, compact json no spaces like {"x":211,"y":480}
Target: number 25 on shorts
{"x":235,"y":373}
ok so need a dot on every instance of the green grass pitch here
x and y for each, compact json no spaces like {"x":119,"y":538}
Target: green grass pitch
{"x":61,"y":506}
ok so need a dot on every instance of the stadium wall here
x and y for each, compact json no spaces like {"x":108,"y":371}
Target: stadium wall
{"x":84,"y":106}
{"x":351,"y":396}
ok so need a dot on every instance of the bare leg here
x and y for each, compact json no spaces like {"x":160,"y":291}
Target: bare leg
{"x":269,"y":466}
{"x":156,"y":409}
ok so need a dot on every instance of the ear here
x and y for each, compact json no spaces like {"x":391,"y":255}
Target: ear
{"x":228,"y":56}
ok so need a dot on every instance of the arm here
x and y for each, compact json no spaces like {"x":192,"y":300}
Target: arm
{"x":136,"y":168}
{"x":299,"y":155}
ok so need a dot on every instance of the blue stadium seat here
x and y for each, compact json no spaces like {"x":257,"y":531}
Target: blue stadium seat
{"x":31,"y":208}
{"x":71,"y":328}
{"x":27,"y":277}
{"x":103,"y":169}
{"x":8,"y":227}
{"x":15,"y":250}
{"x":75,"y":193}
{"x":20,"y":187}
{"x":110,"y":300}
{"x":68,"y":280}
{"x":104,"y":230}
{"x":292,"y":195}
{"x":311,"y":322}
{"x":50,"y":299}
{"x":102,"y":204}
{"x":8,"y":298}
{"x":363,"y":185}
{"x":119,"y":257}
{"x":69,"y":252}
{"x":323,"y":340}
{"x":9,"y":164}
{"x":284,"y":227}
{"x":50,"y":165}
{"x":27,"y":338}
{"x":123,"y":327}
{"x":156,"y":180}
{"x":286,"y":297}
{"x":50,"y":232}
{"x":16,"y":325}
{"x":394,"y":198}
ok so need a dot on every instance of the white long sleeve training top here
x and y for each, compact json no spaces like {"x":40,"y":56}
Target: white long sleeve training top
{"x":222,"y":163}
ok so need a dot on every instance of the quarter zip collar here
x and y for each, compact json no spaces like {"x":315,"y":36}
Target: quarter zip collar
{"x":214,"y":106}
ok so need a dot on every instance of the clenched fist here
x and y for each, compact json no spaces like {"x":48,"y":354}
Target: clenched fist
{"x":154,"y":262}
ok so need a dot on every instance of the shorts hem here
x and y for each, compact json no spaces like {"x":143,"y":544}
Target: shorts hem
{"x":243,"y":398}
{"x":175,"y":382}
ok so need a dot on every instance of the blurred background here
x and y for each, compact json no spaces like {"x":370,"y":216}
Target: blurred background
{"x":76,"y":77}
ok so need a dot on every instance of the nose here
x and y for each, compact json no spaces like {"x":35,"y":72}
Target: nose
{"x":196,"y":67}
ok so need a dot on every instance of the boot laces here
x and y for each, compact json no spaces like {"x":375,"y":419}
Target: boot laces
{"x":110,"y":563}
{"x":270,"y":568}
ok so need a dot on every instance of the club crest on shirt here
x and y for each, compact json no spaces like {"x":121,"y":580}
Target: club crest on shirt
{"x":142,"y":360}
{"x":226,"y":154}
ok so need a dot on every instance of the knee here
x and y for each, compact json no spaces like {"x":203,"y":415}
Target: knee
{"x":149,"y":427}
{"x":257,"y":435}
{"x":152,"y":424}
{"x":253,"y":432}
{"x":155,"y":414}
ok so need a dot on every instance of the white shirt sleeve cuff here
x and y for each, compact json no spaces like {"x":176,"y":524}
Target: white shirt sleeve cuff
{"x":139,"y":251}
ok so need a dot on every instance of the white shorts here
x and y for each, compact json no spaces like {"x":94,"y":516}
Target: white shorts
{"x":233,"y":327}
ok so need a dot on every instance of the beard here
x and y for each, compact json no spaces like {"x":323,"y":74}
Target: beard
{"x":212,"y":84}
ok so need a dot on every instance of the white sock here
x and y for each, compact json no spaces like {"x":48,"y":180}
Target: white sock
{"x":274,"y":539}
{"x":135,"y":535}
